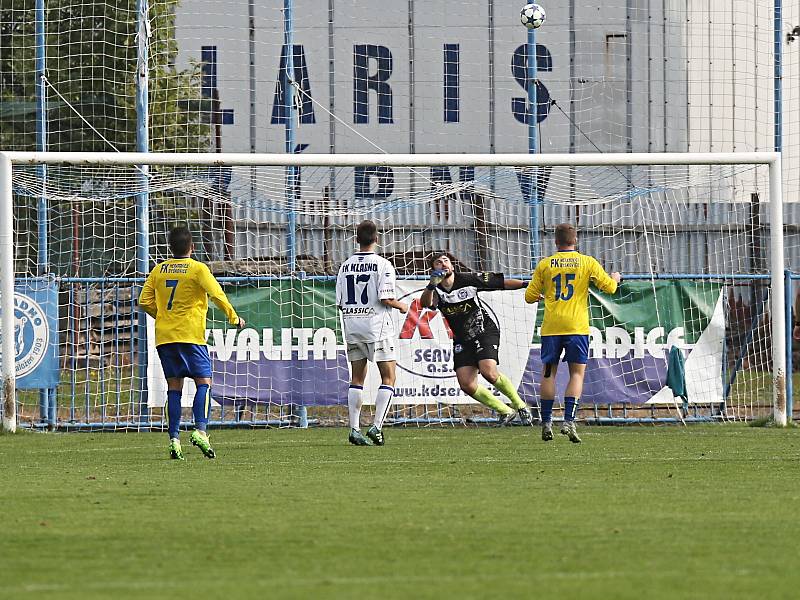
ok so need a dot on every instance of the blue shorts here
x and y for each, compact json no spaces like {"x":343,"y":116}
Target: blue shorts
{"x":575,"y":348}
{"x":184,"y":360}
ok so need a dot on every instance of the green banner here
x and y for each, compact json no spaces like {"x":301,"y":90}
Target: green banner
{"x":292,"y":349}
{"x":669,"y":304}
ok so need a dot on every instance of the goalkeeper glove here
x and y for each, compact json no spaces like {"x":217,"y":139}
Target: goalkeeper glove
{"x":436,"y":276}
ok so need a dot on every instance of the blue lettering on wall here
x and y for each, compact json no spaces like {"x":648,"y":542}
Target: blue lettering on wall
{"x":443,"y":176}
{"x":440,"y":175}
{"x":209,"y":88}
{"x":466,"y":174}
{"x":302,"y":97}
{"x":363,"y":183}
{"x":451,"y":83}
{"x":533,"y":183}
{"x":441,"y":206}
{"x":519,"y":69}
{"x":208,"y":82}
{"x":363,"y":82}
{"x":220,"y":178}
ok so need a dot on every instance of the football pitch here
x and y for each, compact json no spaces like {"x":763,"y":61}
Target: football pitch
{"x":634,"y":512}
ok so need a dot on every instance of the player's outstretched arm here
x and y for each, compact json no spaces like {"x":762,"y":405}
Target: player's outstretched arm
{"x":513,"y":284}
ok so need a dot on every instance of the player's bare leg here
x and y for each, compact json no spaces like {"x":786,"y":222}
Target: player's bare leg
{"x":577,"y":373}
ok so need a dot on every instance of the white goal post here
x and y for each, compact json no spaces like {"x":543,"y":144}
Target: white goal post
{"x":8,"y":160}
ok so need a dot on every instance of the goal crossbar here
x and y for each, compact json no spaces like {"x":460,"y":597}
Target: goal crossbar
{"x":392,"y":160}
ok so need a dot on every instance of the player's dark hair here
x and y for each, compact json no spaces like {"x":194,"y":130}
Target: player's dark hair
{"x":367,"y":233}
{"x":566,"y":235}
{"x":432,"y":258}
{"x":180,"y":241}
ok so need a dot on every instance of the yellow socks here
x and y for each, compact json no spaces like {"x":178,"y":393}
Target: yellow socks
{"x":486,"y":398}
{"x":503,"y":384}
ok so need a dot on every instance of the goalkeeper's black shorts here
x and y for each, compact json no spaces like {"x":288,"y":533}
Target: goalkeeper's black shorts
{"x":467,"y":353}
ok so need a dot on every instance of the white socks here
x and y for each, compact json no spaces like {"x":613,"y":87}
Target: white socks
{"x":354,"y":402}
{"x":382,"y":402}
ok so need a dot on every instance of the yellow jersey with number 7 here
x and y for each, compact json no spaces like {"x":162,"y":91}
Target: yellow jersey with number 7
{"x":176,"y":295}
{"x":563,"y":279}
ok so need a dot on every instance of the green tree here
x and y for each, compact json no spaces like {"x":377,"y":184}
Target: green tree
{"x":91,"y":61}
{"x":91,"y":69}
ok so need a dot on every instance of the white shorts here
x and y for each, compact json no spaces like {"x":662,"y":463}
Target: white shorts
{"x":382,"y":351}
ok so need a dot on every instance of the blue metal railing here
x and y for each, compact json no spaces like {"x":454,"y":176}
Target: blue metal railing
{"x":107,"y":394}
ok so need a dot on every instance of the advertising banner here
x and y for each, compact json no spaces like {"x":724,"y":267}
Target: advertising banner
{"x":36,"y":334}
{"x":292,"y":349}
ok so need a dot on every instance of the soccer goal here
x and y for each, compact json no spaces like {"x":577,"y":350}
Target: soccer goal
{"x":696,"y":331}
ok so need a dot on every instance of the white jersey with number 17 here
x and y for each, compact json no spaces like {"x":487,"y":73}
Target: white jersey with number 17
{"x":363,"y":281}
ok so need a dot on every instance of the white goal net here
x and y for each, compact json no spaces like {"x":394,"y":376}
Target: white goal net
{"x":696,"y":243}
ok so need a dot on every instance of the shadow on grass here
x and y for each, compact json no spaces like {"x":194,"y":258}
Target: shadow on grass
{"x":770,"y":422}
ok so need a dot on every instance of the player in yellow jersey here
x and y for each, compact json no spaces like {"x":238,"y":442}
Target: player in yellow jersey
{"x":176,"y":295}
{"x":563,"y":281}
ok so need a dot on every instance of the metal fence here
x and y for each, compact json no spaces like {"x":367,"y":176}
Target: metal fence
{"x":103,"y":386}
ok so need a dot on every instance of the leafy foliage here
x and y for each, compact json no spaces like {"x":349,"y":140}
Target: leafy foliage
{"x":91,"y":70}
{"x":91,"y":64}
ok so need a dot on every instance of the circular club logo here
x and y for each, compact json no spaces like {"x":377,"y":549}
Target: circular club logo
{"x":31,"y":334}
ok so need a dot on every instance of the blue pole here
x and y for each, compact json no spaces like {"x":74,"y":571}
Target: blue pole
{"x":41,"y":133}
{"x":778,"y":146}
{"x":778,"y":73}
{"x":291,"y":172}
{"x":533,"y":115}
{"x":142,"y":199}
{"x":788,"y":313}
{"x":42,"y":266}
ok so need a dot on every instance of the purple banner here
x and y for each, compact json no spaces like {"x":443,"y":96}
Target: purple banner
{"x":607,"y":380}
{"x":309,"y":382}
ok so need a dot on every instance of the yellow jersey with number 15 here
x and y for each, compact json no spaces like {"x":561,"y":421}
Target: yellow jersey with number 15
{"x":176,"y":294}
{"x":563,"y":279}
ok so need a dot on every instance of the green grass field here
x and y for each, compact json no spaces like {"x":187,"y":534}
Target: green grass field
{"x":636,"y":512}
